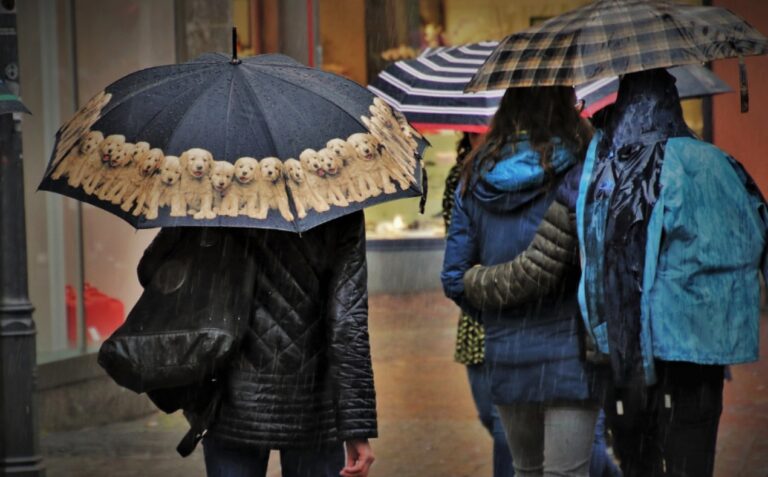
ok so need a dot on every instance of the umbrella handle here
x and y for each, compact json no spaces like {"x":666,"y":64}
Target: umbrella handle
{"x":424,"y":187}
{"x":743,"y":86}
{"x":235,"y":60}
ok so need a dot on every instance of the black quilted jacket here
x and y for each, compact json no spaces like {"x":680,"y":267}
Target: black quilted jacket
{"x":303,"y":373}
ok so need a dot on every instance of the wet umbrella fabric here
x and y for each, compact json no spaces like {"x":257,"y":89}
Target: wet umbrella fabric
{"x":429,"y":89}
{"x":9,"y":102}
{"x":265,"y":143}
{"x":614,"y":37}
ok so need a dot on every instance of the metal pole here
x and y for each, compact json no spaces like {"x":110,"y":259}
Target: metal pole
{"x":19,"y":441}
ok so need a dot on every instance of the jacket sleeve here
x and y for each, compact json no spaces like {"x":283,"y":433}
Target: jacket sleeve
{"x":542,"y":268}
{"x":349,"y":354}
{"x":461,"y":253}
{"x":535,"y":273}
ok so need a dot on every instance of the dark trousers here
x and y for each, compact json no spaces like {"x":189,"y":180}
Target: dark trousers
{"x":223,"y":461}
{"x":669,"y":429}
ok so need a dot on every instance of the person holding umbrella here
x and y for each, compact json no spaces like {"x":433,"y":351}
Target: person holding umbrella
{"x":253,"y":319}
{"x":543,"y":391}
{"x":672,"y":231}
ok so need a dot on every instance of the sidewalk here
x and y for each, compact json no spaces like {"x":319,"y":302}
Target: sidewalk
{"x":427,"y":420}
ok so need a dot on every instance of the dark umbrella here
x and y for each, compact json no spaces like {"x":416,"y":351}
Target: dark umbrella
{"x":9,"y":102}
{"x":429,"y":89}
{"x":614,"y":37}
{"x":264,"y":142}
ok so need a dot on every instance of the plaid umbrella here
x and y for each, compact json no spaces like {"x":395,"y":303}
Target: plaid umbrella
{"x":429,"y":90}
{"x":614,"y":37}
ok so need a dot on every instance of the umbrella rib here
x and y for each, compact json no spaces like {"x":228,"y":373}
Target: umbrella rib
{"x":191,"y":106}
{"x":315,"y":93}
{"x":149,"y":87}
{"x":259,"y":106}
{"x":181,"y":93}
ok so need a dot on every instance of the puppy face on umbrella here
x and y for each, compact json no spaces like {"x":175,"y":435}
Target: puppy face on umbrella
{"x":197,"y":162}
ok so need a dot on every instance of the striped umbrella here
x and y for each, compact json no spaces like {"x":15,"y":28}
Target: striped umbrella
{"x":429,"y":89}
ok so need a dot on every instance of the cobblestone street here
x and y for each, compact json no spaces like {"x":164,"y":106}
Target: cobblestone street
{"x":427,"y":420}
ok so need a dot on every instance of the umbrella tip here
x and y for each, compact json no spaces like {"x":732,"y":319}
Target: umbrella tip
{"x":235,"y":60}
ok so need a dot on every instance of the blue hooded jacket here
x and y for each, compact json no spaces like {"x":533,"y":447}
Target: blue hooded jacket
{"x":704,"y":244}
{"x":532,"y":352}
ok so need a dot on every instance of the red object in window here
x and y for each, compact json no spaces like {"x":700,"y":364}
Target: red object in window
{"x":103,"y":314}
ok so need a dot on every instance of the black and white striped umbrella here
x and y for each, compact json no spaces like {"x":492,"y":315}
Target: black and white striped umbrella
{"x":429,"y":89}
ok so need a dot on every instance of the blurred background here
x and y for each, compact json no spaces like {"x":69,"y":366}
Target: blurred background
{"x":70,"y":49}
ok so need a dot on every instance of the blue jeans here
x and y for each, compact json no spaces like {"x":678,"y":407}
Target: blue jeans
{"x":480,"y":383}
{"x":223,"y":461}
{"x":601,"y":465}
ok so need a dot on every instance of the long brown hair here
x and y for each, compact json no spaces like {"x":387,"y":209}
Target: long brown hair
{"x":541,"y":113}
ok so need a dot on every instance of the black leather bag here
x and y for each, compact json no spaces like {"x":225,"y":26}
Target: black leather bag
{"x":198,"y":289}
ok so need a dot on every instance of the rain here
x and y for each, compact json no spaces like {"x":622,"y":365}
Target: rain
{"x":383,"y":238}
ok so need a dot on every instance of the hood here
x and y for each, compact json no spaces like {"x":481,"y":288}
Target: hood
{"x":647,"y":110}
{"x":518,"y":178}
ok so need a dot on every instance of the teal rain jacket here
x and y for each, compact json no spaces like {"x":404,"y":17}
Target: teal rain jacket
{"x":706,"y":245}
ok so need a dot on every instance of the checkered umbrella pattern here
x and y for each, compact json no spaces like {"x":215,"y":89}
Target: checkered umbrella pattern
{"x":615,"y":37}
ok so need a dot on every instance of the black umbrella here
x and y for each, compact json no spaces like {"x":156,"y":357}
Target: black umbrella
{"x":9,"y":102}
{"x":615,"y":37}
{"x":264,"y":142}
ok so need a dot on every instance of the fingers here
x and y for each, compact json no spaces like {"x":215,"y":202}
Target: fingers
{"x":359,"y":460}
{"x":360,"y":468}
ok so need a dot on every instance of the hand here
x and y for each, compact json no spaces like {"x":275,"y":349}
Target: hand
{"x":359,"y":458}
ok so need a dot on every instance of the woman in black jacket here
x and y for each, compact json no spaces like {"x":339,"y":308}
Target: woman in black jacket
{"x":301,"y":380}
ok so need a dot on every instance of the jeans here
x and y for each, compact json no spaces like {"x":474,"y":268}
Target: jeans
{"x":550,"y":440}
{"x":602,"y":464}
{"x":669,"y":428}
{"x":479,"y":382}
{"x":223,"y":461}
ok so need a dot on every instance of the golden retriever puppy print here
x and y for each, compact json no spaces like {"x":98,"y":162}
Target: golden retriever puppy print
{"x":272,"y":192}
{"x":221,"y":180}
{"x":121,"y":168}
{"x":304,"y":196}
{"x":382,"y":114}
{"x":243,"y":196}
{"x":196,"y":189}
{"x":390,"y":139}
{"x":315,"y":174}
{"x":139,"y":183}
{"x":86,"y":146}
{"x":383,"y":168}
{"x":93,"y":162}
{"x":363,"y":168}
{"x":338,"y":182}
{"x":79,"y":125}
{"x":113,"y":151}
{"x":166,"y":190}
{"x":345,"y":155}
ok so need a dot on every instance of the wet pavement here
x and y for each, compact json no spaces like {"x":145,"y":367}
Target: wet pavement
{"x":427,"y":420}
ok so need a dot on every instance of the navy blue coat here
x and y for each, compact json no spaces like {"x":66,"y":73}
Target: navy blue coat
{"x":533,"y":351}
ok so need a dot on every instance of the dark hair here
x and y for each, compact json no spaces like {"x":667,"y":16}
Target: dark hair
{"x":540,"y":112}
{"x":463,"y":148}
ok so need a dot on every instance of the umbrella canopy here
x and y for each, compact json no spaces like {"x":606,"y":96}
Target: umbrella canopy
{"x":9,"y":102}
{"x":614,"y":37}
{"x":264,"y":142}
{"x":429,"y":89}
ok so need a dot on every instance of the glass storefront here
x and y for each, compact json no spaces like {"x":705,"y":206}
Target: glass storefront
{"x":82,"y":260}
